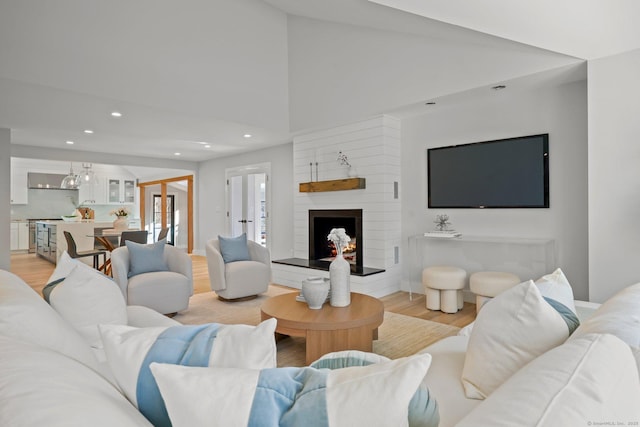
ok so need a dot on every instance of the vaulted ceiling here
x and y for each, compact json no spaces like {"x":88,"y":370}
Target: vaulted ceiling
{"x":194,"y":77}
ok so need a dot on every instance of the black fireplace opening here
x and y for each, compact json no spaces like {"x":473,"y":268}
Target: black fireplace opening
{"x":321,"y":221}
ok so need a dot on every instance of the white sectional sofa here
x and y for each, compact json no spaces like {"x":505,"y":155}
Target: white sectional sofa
{"x":590,"y":379}
{"x":50,"y":376}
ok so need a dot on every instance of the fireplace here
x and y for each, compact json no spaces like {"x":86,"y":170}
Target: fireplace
{"x":321,"y":221}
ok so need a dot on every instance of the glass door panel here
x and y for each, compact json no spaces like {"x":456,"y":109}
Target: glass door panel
{"x":113,"y":190}
{"x":247,"y":203}
{"x":170,"y":215}
{"x":129,"y":191}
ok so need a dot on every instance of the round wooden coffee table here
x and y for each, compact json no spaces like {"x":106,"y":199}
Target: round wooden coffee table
{"x":329,"y":329}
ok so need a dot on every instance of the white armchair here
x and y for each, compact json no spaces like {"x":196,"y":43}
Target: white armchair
{"x":164,"y":291}
{"x":238,"y":279}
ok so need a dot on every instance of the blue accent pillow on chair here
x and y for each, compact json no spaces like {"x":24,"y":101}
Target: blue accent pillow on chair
{"x":234,"y":248}
{"x":145,"y":258}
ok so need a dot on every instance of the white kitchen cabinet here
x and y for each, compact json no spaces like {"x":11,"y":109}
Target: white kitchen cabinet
{"x":13,"y":245}
{"x":19,"y":236}
{"x":23,"y":236}
{"x":121,"y":191}
{"x":92,"y":194}
{"x":19,"y":191}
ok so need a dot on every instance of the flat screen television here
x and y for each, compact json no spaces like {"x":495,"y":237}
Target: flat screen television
{"x":505,"y":173}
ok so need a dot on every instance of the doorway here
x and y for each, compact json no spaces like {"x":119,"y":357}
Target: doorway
{"x":156,"y":224}
{"x":248,"y":195}
{"x":183,"y":227}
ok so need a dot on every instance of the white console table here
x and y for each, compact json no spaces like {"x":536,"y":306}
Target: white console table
{"x":529,"y":258}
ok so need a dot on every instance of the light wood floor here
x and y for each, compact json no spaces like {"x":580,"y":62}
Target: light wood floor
{"x":36,"y":271}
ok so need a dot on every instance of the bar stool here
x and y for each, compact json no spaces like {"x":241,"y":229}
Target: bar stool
{"x":443,"y":288}
{"x":73,"y":252}
{"x":488,"y":284}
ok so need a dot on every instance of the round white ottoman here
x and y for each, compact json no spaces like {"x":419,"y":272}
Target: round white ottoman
{"x":488,"y":284}
{"x":443,"y":287}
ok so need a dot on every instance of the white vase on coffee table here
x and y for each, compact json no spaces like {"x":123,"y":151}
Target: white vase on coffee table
{"x":315,"y":291}
{"x":340,"y":276}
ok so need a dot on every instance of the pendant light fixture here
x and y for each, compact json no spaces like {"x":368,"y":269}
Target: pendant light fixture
{"x":70,"y":181}
{"x":87,"y":176}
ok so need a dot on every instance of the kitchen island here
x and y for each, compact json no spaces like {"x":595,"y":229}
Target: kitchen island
{"x":51,"y":242}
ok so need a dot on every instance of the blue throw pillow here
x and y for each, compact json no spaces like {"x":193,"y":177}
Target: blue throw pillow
{"x":234,"y":248}
{"x":145,"y":258}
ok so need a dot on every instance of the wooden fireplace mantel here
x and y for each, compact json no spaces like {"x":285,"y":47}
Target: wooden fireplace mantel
{"x":333,"y":185}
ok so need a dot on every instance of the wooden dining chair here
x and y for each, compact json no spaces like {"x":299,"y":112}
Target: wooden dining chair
{"x":73,"y":252}
{"x":133,"y":236}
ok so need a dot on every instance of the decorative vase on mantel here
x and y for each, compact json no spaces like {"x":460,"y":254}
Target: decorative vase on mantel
{"x":339,"y":276}
{"x":120,"y":223}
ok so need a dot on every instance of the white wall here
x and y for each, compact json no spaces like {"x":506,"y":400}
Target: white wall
{"x":373,"y":149}
{"x":614,"y":174}
{"x":210,"y":194}
{"x":5,"y":196}
{"x":562,"y":113}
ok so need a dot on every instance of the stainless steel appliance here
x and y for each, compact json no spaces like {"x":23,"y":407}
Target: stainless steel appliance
{"x":32,"y":232}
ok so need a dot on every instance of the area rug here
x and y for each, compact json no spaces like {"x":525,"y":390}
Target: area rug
{"x":398,"y":336}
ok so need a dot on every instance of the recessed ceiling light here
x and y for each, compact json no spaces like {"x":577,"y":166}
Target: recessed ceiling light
{"x":116,"y":114}
{"x":499,"y":87}
{"x":88,"y":131}
{"x":247,"y":135}
{"x":177,"y":154}
{"x":430,"y":103}
{"x":207,"y":146}
{"x":70,"y":142}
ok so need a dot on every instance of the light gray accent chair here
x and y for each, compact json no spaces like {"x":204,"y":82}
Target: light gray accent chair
{"x":238,"y":279}
{"x":166,"y":292}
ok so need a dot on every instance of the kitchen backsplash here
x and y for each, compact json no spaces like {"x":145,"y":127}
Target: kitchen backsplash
{"x":54,"y":204}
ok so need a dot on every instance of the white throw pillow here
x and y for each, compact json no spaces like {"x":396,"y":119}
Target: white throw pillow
{"x":556,"y":286}
{"x":87,"y":298}
{"x":511,"y":330}
{"x":619,"y":316}
{"x":374,"y":395}
{"x":588,"y":380}
{"x":238,"y":346}
{"x":64,"y":266}
{"x":24,"y":315}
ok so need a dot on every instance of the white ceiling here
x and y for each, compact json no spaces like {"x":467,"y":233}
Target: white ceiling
{"x":586,"y":29}
{"x":209,"y":71}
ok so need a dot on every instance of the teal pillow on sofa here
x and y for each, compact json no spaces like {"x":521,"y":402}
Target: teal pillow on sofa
{"x":234,"y":248}
{"x":145,"y":258}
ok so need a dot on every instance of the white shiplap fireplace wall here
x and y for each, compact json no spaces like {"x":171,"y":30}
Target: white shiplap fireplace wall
{"x":373,"y":149}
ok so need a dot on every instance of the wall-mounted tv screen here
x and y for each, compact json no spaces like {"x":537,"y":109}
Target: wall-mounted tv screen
{"x":505,"y":173}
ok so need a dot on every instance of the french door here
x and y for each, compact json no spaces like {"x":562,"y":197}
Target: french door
{"x":157,"y":217}
{"x":248,"y":202}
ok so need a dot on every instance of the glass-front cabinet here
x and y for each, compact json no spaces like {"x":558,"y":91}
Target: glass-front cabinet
{"x":121,"y":190}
